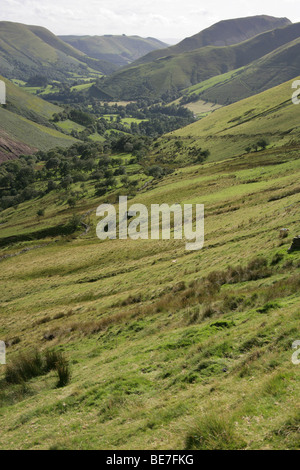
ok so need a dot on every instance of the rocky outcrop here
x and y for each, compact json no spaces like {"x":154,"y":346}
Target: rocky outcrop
{"x":295,"y":246}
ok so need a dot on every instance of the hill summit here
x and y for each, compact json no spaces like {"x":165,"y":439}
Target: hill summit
{"x":223,"y":33}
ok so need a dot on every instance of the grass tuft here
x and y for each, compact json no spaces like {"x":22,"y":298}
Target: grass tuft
{"x":32,"y":364}
{"x":213,"y":432}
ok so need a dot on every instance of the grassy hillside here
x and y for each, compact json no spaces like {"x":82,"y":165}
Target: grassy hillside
{"x":165,"y":345}
{"x":168,"y":349}
{"x":26,"y":51}
{"x":260,"y":75}
{"x":25,"y":124}
{"x":224,"y":33}
{"x":166,"y":76}
{"x":119,"y":50}
{"x":26,"y":104}
{"x":228,"y":131}
{"x":20,"y":131}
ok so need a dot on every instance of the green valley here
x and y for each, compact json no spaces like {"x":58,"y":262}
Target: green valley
{"x":112,"y":337}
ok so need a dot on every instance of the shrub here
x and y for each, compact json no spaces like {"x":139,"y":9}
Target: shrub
{"x":41,"y":213}
{"x":156,"y":171}
{"x":74,"y":223}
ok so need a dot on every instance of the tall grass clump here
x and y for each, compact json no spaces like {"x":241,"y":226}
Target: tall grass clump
{"x":213,"y":432}
{"x":25,"y":367}
{"x":32,"y":364}
{"x":63,"y":372}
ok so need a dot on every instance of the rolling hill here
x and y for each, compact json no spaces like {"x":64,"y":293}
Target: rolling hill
{"x":224,"y":33}
{"x":26,"y":51}
{"x":25,"y":124}
{"x":228,"y":131}
{"x":165,"y":77}
{"x":155,"y":347}
{"x":119,"y":50}
{"x":262,"y":74}
{"x":168,"y":349}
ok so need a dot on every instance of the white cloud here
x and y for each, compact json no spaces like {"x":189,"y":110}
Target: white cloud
{"x":159,"y":18}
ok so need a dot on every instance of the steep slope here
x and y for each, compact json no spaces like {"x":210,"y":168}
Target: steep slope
{"x":19,"y":135}
{"x":27,"y":104}
{"x":224,"y":33}
{"x":168,"y":349}
{"x":25,"y":124}
{"x":119,"y":50}
{"x":10,"y":148}
{"x":166,"y":76}
{"x":267,"y":72}
{"x":228,"y":131}
{"x":29,"y":50}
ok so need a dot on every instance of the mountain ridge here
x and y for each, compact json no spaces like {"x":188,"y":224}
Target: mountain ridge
{"x":121,"y":50}
{"x":27,"y":50}
{"x":221,"y":34}
{"x":252,"y":79}
{"x":165,"y":77}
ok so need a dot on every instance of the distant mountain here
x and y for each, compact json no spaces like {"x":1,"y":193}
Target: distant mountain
{"x":25,"y":124}
{"x":26,"y":51}
{"x":224,"y":33}
{"x":119,"y":50}
{"x":166,"y":77}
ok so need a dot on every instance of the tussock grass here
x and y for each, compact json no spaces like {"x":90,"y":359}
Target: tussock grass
{"x":289,"y":430}
{"x":213,"y":432}
{"x":63,"y":371}
{"x":27,"y":366}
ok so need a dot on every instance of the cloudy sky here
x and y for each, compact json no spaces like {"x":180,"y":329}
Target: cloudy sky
{"x":157,"y":18}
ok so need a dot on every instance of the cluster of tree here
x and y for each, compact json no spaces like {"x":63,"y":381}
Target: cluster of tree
{"x":38,"y":81}
{"x":66,"y":95}
{"x":76,"y":115}
{"x":260,"y":144}
{"x":57,"y":170}
{"x":198,"y":154}
{"x":189,"y":98}
{"x":137,"y":145}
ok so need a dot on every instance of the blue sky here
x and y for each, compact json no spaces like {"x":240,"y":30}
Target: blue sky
{"x":157,"y":18}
